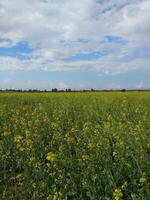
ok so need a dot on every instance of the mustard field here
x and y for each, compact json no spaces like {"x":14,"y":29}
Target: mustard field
{"x":75,"y":146}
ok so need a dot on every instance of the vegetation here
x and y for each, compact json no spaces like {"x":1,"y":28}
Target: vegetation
{"x":75,"y":146}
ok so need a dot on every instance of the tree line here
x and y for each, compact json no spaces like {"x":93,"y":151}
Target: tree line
{"x":69,"y":90}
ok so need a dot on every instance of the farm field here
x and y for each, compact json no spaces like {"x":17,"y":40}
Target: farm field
{"x":75,"y":146}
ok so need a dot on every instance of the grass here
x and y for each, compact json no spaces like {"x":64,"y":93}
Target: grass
{"x":75,"y":146}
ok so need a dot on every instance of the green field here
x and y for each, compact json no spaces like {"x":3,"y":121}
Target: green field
{"x":75,"y":146}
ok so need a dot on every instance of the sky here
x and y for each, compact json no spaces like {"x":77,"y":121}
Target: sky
{"x":77,"y":44}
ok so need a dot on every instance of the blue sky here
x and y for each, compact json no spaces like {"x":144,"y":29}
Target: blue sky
{"x":46,"y":80}
{"x":75,"y":44}
{"x":19,"y":51}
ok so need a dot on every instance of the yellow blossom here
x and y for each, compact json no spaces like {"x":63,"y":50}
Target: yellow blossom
{"x":124,"y":185}
{"x":18,"y":138}
{"x":142,"y":180}
{"x":84,"y":184}
{"x":27,"y":133}
{"x":19,"y":179}
{"x":148,"y":146}
{"x":6,"y":134}
{"x":117,"y":194}
{"x":57,"y":196}
{"x":114,"y":153}
{"x":68,"y":138}
{"x":28,"y":143}
{"x":37,"y":166}
{"x":90,"y":145}
{"x":85,"y":157}
{"x":34,"y":185}
{"x":73,"y":130}
{"x":50,"y":156}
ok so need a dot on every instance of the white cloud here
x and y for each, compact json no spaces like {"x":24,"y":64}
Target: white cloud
{"x":45,"y":23}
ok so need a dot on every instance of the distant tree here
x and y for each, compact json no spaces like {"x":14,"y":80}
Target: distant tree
{"x":54,"y":90}
{"x":123,"y":90}
{"x":92,"y":90}
{"x":68,"y":90}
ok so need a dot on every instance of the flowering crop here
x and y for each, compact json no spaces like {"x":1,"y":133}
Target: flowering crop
{"x":75,"y":146}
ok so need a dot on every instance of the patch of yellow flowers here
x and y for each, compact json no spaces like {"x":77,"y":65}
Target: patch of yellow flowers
{"x":55,"y":196}
{"x":77,"y":142}
{"x":118,"y":194}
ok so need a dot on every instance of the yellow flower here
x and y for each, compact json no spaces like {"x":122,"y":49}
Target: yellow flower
{"x":84,"y":184}
{"x":73,"y":130}
{"x":57,"y":196}
{"x":68,"y":138}
{"x":148,"y":146}
{"x":18,"y":138}
{"x":85,"y":157}
{"x":19,"y":179}
{"x":37,"y":166}
{"x":142,"y":180}
{"x":20,"y":148}
{"x":90,"y":145}
{"x":117,"y":194}
{"x":34,"y":185}
{"x":124,"y":185}
{"x":18,"y":176}
{"x":27,"y":133}
{"x":6,"y":134}
{"x":28,"y":143}
{"x":50,"y":156}
{"x":114,"y":153}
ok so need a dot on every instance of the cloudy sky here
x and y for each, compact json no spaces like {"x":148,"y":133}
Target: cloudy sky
{"x":74,"y":43}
